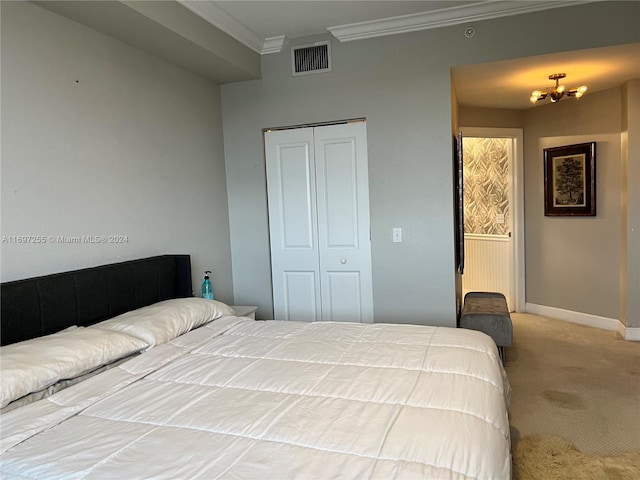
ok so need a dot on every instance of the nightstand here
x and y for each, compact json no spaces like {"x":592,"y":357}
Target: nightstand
{"x":245,"y":310}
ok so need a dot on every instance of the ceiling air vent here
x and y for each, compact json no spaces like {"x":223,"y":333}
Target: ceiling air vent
{"x":313,"y":58}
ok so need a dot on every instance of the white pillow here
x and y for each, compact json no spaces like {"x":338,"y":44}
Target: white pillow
{"x":163,"y":321}
{"x":35,"y":364}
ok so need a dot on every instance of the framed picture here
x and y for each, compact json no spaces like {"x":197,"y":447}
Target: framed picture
{"x":570,"y":180}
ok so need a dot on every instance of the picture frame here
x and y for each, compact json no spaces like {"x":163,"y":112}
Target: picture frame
{"x":570,"y":180}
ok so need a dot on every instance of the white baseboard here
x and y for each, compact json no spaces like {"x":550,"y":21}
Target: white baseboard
{"x":631,"y":333}
{"x":587,"y":319}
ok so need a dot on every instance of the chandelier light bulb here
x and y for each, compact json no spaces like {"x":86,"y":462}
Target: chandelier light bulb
{"x":556,"y":92}
{"x":580,"y":91}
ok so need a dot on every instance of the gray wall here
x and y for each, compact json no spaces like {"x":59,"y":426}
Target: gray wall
{"x":401,"y":84}
{"x":99,"y":138}
{"x":491,"y":117}
{"x":630,"y":236}
{"x":406,"y":169}
{"x":573,"y":263}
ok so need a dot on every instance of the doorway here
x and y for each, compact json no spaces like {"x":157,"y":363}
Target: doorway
{"x":494,"y":213}
{"x":318,"y":196}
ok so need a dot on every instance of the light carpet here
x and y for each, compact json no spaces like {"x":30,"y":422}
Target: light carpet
{"x":545,"y":457}
{"x":575,"y":382}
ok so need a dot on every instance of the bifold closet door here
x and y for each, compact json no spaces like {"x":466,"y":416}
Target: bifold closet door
{"x":319,"y":223}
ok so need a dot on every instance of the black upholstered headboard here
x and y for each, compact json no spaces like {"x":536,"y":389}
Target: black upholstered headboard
{"x":43,"y":305}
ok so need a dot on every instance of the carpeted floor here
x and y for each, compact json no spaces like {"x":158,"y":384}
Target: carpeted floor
{"x":576,"y":382}
{"x":548,"y":457}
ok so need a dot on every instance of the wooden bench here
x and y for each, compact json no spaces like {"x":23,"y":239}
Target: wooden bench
{"x":488,"y":312}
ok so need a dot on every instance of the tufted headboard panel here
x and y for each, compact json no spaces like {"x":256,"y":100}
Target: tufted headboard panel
{"x":43,"y":305}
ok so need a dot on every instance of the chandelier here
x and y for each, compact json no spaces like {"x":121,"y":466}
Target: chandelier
{"x":557,"y":91}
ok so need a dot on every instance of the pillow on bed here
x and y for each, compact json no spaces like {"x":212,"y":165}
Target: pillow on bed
{"x":163,"y":321}
{"x":62,"y":384}
{"x":35,"y":364}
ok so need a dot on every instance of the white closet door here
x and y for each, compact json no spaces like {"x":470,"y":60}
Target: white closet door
{"x":343,"y":222}
{"x":291,"y":187}
{"x":319,"y":223}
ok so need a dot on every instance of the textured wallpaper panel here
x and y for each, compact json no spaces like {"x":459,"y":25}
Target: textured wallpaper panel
{"x":486,"y":185}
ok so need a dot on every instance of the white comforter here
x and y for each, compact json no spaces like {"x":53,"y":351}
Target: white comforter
{"x":242,"y":399}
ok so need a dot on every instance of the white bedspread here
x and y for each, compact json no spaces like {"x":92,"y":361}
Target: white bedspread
{"x":244,"y":399}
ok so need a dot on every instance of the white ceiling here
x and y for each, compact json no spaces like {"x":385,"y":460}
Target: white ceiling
{"x":265,"y":26}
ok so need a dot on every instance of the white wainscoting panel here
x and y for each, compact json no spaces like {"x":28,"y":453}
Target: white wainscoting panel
{"x":488,"y":265}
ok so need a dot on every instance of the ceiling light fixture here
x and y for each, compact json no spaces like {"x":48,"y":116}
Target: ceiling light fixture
{"x":557,"y":91}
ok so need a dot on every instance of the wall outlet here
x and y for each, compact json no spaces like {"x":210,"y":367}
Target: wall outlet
{"x":500,"y":218}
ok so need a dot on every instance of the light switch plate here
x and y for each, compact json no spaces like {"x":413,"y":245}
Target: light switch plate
{"x":397,"y":235}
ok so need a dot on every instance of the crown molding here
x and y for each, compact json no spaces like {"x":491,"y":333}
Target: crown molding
{"x":209,"y":11}
{"x":442,"y":18}
{"x":273,"y":44}
{"x":217,"y":17}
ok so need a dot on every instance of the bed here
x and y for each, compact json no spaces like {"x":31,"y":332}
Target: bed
{"x":198,"y":392}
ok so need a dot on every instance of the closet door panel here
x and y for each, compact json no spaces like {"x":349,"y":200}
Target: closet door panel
{"x":291,"y":188}
{"x":338,"y":195}
{"x":343,"y":296}
{"x":343,"y":222}
{"x":300,"y":296}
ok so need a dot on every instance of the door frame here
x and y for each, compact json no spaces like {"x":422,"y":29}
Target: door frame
{"x":516,"y":200}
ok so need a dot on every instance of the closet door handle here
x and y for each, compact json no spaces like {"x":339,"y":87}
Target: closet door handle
{"x":343,"y":261}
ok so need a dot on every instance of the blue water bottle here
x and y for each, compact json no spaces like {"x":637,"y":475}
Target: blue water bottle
{"x":207,"y":287}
